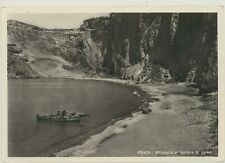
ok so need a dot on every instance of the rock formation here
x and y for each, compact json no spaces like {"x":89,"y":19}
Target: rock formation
{"x":145,"y":47}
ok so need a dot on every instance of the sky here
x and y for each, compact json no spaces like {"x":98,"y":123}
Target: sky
{"x":61,"y":21}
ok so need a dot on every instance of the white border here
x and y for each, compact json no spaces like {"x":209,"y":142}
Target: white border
{"x":108,"y":2}
{"x":102,"y":9}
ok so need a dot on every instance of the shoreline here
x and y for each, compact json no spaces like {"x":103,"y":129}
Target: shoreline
{"x":180,"y":111}
{"x":108,"y":79}
{"x":139,"y":93}
{"x":108,"y":142}
{"x":90,"y":145}
{"x":114,"y":127}
{"x":79,"y":139}
{"x":102,"y":141}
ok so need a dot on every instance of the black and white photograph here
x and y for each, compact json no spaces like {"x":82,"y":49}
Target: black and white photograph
{"x":112,"y":84}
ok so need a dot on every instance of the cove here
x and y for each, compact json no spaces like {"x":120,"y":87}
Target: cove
{"x":103,"y":101}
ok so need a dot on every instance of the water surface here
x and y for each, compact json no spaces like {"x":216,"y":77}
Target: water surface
{"x":103,"y":101}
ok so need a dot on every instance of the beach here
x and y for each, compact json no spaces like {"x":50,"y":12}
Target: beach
{"x":181,"y":123}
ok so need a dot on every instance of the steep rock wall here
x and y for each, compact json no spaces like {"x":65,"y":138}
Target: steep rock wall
{"x":146,"y":47}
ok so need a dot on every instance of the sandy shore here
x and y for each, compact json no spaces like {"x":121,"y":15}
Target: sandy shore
{"x":180,"y":123}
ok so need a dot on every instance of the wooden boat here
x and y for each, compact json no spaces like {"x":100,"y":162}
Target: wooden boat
{"x":61,"y":117}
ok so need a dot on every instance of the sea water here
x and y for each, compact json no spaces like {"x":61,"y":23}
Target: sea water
{"x":102,"y":101}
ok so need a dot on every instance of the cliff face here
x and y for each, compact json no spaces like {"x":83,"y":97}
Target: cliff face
{"x":56,"y":52}
{"x":195,"y":49}
{"x":158,"y":47}
{"x":143,"y":47}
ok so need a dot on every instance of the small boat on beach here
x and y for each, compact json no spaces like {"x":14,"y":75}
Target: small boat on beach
{"x":61,"y":116}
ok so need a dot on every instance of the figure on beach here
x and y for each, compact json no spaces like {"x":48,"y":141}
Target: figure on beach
{"x":191,"y":76}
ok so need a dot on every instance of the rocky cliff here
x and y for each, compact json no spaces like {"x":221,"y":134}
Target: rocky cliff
{"x":54,"y":52}
{"x":142,"y":47}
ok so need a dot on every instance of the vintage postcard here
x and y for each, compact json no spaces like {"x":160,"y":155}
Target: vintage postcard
{"x":112,"y":84}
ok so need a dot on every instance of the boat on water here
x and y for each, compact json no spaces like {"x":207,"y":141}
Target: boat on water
{"x":61,"y":116}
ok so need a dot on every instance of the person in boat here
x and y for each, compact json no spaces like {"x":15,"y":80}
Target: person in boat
{"x":63,"y":113}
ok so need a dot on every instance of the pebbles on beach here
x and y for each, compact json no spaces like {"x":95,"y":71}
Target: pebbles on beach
{"x":146,"y":110}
